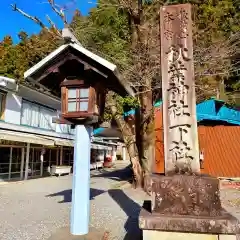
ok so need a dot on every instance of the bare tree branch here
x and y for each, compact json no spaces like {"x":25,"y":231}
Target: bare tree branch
{"x":35,"y":19}
{"x":53,"y":25}
{"x":59,"y":13}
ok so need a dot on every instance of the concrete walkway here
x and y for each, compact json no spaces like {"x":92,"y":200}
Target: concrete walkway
{"x":35,"y":209}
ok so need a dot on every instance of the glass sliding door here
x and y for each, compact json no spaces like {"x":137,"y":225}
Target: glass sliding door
{"x":34,"y":168}
{"x":4,"y":163}
{"x":16,"y":163}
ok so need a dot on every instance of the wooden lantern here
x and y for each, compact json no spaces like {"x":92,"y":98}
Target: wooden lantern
{"x":82,"y":101}
{"x":81,"y":78}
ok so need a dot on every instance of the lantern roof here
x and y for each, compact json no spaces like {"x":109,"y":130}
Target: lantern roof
{"x":72,"y":56}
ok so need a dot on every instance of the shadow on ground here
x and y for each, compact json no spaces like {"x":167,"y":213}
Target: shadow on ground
{"x":132,"y":210}
{"x":124,"y":174}
{"x":67,"y":194}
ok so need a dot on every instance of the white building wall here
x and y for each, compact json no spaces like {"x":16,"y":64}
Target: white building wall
{"x":64,"y":128}
{"x":13,"y":108}
{"x":13,"y":113}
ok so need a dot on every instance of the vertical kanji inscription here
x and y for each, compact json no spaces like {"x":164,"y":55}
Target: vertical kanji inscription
{"x":179,"y":103}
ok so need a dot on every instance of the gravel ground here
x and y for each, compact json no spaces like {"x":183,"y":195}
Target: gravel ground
{"x":34,"y":209}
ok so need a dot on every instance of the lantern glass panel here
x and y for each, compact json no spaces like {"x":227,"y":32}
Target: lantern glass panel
{"x":72,"y":93}
{"x":72,"y":106}
{"x":83,"y":106}
{"x":78,"y":99}
{"x":84,"y":93}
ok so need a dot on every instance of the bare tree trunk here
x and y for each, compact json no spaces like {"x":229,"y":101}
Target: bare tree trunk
{"x":129,"y":140}
{"x":147,"y":132}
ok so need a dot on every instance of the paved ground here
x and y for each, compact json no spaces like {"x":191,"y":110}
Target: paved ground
{"x":35,"y":209}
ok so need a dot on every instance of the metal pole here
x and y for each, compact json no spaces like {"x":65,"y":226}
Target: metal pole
{"x":41,"y":162}
{"x":10,"y":163}
{"x":32,"y":160}
{"x":22,"y":163}
{"x":57,"y":156}
{"x":27,"y":161}
{"x":61,"y":155}
{"x":81,"y":181}
{"x":50,"y":156}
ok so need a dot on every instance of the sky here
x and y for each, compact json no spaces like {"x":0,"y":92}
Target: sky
{"x":13,"y":22}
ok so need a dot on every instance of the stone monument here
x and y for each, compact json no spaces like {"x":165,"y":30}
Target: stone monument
{"x":185,"y":204}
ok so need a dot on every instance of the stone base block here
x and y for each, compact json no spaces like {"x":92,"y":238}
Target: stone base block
{"x":157,"y":235}
{"x":185,"y":195}
{"x":226,"y":224}
{"x":64,"y":234}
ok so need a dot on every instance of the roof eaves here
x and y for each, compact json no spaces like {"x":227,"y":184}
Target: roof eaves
{"x":81,"y":49}
{"x":106,"y":64}
{"x":94,"y":57}
{"x":44,"y":61}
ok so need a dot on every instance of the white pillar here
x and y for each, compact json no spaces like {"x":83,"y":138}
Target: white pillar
{"x":61,"y":155}
{"x":10,"y":163}
{"x":114,"y":153}
{"x":124,"y":153}
{"x":27,"y":161}
{"x":22,"y":163}
{"x":81,"y":181}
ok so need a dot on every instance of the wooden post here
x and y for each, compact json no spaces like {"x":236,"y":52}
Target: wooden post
{"x":81,"y":181}
{"x":22,"y":163}
{"x":10,"y":163}
{"x":27,"y":161}
{"x":181,"y":150}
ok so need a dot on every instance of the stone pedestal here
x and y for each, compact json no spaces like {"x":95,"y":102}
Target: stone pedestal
{"x":186,"y":207}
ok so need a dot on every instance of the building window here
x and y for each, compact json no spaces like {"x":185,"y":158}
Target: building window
{"x":35,"y":115}
{"x":78,"y":99}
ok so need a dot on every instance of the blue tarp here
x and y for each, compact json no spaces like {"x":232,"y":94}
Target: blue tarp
{"x":97,"y":131}
{"x":212,"y":109}
{"x":218,"y":111}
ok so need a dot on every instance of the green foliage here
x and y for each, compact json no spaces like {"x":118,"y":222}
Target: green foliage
{"x":125,"y":104}
{"x":16,"y":59}
{"x":106,"y":32}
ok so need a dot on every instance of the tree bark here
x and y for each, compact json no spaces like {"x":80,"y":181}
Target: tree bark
{"x":147,"y":132}
{"x":129,"y":140}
